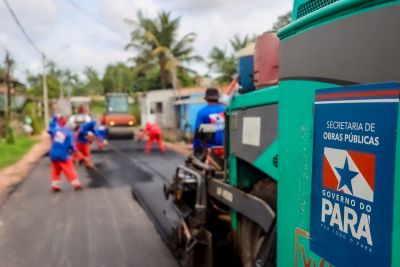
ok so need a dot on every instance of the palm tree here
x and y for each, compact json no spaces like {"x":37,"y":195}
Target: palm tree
{"x":223,"y":63}
{"x":238,"y":43}
{"x":282,"y":21}
{"x":156,"y":43}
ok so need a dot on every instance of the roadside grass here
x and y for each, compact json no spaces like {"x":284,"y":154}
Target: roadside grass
{"x":11,"y":153}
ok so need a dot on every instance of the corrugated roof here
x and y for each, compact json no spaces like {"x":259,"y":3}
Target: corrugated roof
{"x":182,"y":92}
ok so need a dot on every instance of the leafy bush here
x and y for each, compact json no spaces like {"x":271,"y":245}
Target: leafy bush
{"x":37,"y":120}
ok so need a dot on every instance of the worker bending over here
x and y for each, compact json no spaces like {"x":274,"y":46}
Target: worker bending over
{"x":154,"y":134}
{"x":84,"y":137}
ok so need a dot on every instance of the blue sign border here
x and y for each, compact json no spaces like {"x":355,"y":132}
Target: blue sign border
{"x":378,"y":104}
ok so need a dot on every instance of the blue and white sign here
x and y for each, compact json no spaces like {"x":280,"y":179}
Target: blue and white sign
{"x":353,"y":174}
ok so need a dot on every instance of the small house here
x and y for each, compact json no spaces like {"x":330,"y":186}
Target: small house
{"x":157,"y":106}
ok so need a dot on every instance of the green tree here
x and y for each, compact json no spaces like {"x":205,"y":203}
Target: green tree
{"x":94,"y":83}
{"x":56,"y":79}
{"x":223,"y":62}
{"x":68,"y":81}
{"x":91,"y":85}
{"x":118,"y":78}
{"x":282,"y":21}
{"x":35,"y":85}
{"x":238,"y":42}
{"x":158,"y":48}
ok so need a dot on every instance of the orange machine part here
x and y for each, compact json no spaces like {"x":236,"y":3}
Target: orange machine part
{"x":266,"y":60}
{"x":119,"y":119}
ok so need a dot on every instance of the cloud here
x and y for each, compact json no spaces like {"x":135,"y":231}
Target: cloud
{"x":35,"y":16}
{"x":98,"y":37}
{"x":79,"y":57}
{"x":115,"y":12}
{"x":220,"y":21}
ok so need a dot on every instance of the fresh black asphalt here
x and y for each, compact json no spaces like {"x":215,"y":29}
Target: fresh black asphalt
{"x":102,"y":225}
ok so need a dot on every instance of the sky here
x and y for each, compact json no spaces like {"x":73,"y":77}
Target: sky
{"x":79,"y":33}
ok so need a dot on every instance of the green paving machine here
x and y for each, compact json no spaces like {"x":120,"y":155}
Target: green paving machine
{"x":311,"y":175}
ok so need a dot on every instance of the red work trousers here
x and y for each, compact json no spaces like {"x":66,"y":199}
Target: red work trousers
{"x":84,"y":149}
{"x":154,"y":137}
{"x":67,"y":167}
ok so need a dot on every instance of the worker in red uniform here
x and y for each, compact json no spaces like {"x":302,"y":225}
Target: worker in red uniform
{"x":82,"y":110}
{"x":62,"y":148}
{"x":85,"y":135}
{"x":154,"y":134}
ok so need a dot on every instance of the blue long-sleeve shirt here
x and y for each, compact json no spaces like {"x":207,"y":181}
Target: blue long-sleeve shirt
{"x":90,"y":127}
{"x":211,"y":114}
{"x":101,"y":132}
{"x":84,"y":130}
{"x":53,"y":123}
{"x":62,"y":143}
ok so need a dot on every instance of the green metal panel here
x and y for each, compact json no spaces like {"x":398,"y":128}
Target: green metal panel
{"x":233,"y":180}
{"x":296,"y":100}
{"x":337,"y":10}
{"x":265,"y":161}
{"x":295,"y":130}
{"x":295,"y":172}
{"x":396,"y":204}
{"x":251,"y":99}
{"x":305,"y":7}
{"x":255,"y":98}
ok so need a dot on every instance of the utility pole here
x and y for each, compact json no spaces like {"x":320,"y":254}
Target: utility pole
{"x":9,"y":83}
{"x":45,"y":95}
{"x":9,"y":86}
{"x":174,"y":75}
{"x":61,"y":89}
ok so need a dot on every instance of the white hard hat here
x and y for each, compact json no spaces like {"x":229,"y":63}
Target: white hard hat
{"x":71,"y":123}
{"x":82,"y":118}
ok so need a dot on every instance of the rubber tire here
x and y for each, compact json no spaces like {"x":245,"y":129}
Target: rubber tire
{"x":251,"y":234}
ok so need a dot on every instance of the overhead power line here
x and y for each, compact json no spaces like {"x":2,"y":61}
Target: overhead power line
{"x":32,"y":43}
{"x":28,"y":38}
{"x":95,"y":19}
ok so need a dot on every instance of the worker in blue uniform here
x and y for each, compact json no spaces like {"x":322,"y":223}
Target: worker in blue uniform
{"x":61,"y":152}
{"x":212,"y":114}
{"x":85,"y":135}
{"x":101,"y":132}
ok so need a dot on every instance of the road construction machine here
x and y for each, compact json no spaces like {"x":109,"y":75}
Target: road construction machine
{"x":311,"y":172}
{"x":117,"y":116}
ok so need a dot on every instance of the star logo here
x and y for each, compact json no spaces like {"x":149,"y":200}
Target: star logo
{"x":346,"y":175}
{"x":350,"y":172}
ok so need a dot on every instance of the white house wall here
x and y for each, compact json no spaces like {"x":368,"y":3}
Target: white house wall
{"x":167,"y":118}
